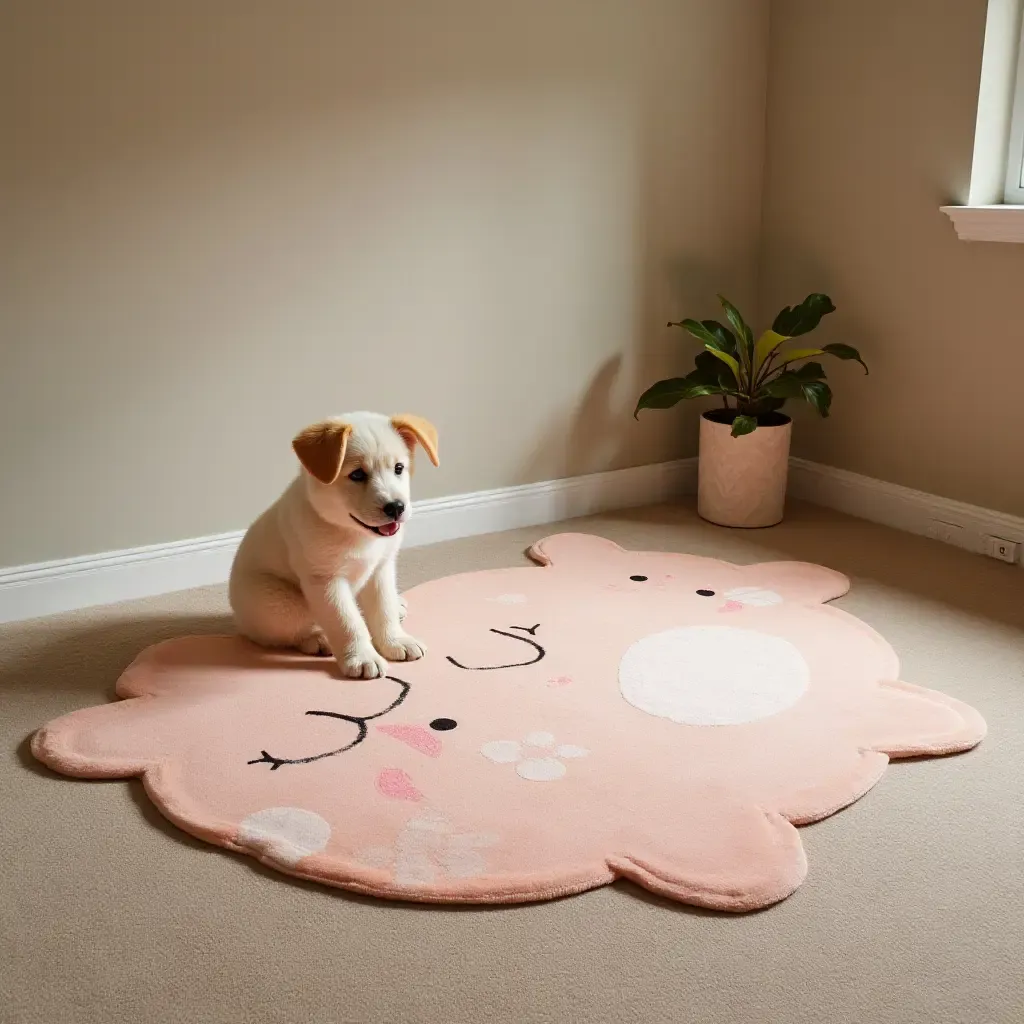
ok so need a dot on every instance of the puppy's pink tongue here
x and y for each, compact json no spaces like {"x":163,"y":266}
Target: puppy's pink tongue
{"x":388,"y":529}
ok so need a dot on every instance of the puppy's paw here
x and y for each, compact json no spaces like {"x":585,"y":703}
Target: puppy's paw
{"x":402,"y":647}
{"x":403,"y":608}
{"x":362,"y":663}
{"x":316,"y":645}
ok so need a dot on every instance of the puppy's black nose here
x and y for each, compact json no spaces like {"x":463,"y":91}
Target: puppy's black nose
{"x":394,"y":509}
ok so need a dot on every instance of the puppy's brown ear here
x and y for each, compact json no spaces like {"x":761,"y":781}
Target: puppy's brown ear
{"x":416,"y":429}
{"x":321,"y":449}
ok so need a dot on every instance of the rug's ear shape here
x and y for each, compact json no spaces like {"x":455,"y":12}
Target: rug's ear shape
{"x":416,"y":430}
{"x":321,"y":448}
{"x":911,"y":721}
{"x":112,"y":741}
{"x":205,"y":665}
{"x":562,"y":549}
{"x":800,"y":582}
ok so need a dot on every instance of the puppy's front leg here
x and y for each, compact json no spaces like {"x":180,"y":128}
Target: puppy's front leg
{"x":336,"y":611}
{"x":384,"y":611}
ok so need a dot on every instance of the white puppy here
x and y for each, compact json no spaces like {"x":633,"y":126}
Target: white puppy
{"x":316,"y":571}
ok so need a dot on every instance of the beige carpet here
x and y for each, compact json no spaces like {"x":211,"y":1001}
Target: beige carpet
{"x":913,"y":911}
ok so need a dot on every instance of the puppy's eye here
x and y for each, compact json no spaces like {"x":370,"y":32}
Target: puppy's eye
{"x":706,"y":593}
{"x":357,"y":476}
{"x":399,"y":469}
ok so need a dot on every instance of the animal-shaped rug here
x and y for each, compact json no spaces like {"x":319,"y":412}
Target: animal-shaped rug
{"x":610,"y":714}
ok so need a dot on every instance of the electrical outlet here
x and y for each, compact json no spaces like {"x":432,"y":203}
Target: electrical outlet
{"x":1004,"y":550}
{"x":948,"y":533}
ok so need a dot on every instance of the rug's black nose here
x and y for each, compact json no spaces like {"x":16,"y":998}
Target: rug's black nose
{"x":394,"y":509}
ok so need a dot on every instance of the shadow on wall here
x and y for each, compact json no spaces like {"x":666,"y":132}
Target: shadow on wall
{"x":600,"y":433}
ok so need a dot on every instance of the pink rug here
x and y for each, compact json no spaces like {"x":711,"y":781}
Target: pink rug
{"x":659,"y":717}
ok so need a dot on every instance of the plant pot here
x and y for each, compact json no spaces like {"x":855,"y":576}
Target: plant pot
{"x":741,"y":481}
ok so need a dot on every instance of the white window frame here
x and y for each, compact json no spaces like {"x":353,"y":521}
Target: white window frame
{"x":993,"y":208}
{"x":1014,"y":191}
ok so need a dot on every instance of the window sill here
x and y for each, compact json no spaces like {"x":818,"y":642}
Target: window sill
{"x":987,"y":223}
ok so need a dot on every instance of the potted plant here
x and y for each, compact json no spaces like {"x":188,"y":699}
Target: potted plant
{"x":744,"y":446}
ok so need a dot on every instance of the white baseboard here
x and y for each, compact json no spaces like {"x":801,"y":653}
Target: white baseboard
{"x":63,"y":585}
{"x":902,"y":507}
{"x":46,"y":588}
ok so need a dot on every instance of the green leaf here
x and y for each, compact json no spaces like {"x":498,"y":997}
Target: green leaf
{"x":739,"y":326}
{"x":709,"y":370}
{"x":796,"y":320}
{"x":727,"y":345}
{"x":706,"y":365}
{"x":788,"y":381}
{"x":786,"y":385}
{"x":667,"y":393}
{"x":811,"y":371}
{"x":726,"y":339}
{"x":789,"y":384}
{"x":729,"y":361}
{"x":744,"y":425}
{"x":664,"y":394}
{"x":698,"y":330}
{"x":799,"y":353}
{"x":766,"y":345}
{"x":841,"y":351}
{"x":818,"y":394}
{"x":718,"y":340}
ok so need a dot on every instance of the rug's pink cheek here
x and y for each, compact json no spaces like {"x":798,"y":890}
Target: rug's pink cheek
{"x":415,"y":736}
{"x":395,"y":783}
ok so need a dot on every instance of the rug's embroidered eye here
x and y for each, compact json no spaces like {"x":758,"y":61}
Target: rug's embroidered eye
{"x":358,"y":476}
{"x":638,"y":579}
{"x":531,"y":630}
{"x":706,"y":593}
{"x":399,"y":469}
{"x":443,"y":724}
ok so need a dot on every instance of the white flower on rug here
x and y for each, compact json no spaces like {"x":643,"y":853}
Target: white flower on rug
{"x":537,"y":758}
{"x":427,"y":847}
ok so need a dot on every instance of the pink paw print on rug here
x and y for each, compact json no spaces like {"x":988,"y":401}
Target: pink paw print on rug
{"x":713,"y":709}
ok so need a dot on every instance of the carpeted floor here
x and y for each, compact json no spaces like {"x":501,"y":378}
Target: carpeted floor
{"x":913,"y":911}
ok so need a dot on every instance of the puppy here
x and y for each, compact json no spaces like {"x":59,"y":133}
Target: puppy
{"x":316,"y":571}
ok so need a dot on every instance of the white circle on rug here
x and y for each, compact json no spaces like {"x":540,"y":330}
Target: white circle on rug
{"x":284,"y":834}
{"x":712,"y":675}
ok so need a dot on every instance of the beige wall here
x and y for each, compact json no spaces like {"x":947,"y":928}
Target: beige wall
{"x":870,"y":129}
{"x":223,"y":220}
